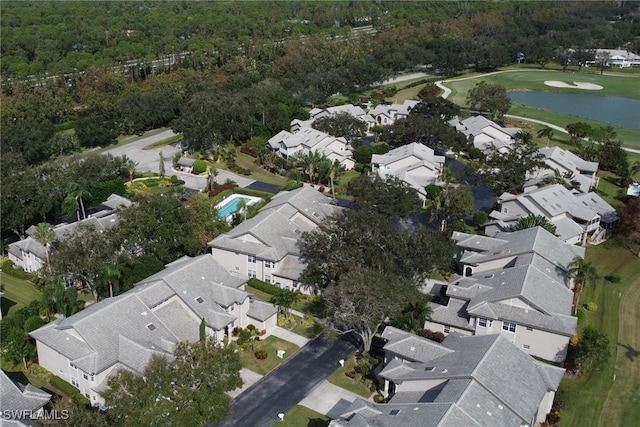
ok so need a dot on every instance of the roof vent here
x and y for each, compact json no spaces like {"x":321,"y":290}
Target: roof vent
{"x":297,"y":231}
{"x":412,"y":349}
{"x":394,"y":412}
{"x":144,"y":313}
{"x":500,"y":407}
{"x":477,"y":405}
{"x":202,"y":277}
{"x":488,"y":413}
{"x":151,"y":326}
{"x":445,"y":370}
{"x":200,"y":300}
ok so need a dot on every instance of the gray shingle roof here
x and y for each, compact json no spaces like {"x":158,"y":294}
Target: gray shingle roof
{"x":261,"y":310}
{"x":152,"y":317}
{"x":275,"y":232}
{"x":486,"y":380}
{"x":15,"y":396}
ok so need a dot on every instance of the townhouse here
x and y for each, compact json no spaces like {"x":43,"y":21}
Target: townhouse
{"x":267,"y":246}
{"x":127,"y":330}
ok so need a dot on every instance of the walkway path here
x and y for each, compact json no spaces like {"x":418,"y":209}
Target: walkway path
{"x":249,"y":378}
{"x":326,"y":396}
{"x":447,"y":92}
{"x":290,"y":383}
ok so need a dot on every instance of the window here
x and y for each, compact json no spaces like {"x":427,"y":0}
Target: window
{"x":526,"y":346}
{"x":251,"y":259}
{"x":447,"y":329}
{"x":251,"y":273}
{"x":86,"y":394}
{"x":505,"y":210}
{"x":267,"y":279}
{"x":85,"y":376}
{"x":74,"y":382}
{"x":268,"y":264}
{"x":508,"y":326}
{"x":529,"y":329}
{"x":295,"y":283}
{"x":482,"y":322}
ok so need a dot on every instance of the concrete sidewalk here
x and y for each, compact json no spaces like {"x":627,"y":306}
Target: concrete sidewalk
{"x":249,"y":378}
{"x":287,"y":335}
{"x":326,"y":396}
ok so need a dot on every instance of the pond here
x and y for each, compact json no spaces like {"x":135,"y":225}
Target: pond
{"x":613,"y":110}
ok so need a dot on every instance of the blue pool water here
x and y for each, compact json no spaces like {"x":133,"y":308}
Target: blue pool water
{"x":231,"y":207}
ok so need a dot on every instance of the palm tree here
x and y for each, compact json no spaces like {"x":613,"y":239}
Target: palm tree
{"x":331,"y":170}
{"x":635,"y":169}
{"x":284,"y":299}
{"x":309,"y":162}
{"x":581,"y":271}
{"x":111,"y":275}
{"x":524,"y":136}
{"x":75,"y":195}
{"x":242,"y":207}
{"x":533,"y":220}
{"x":546,"y":132}
{"x":45,"y":235}
{"x":161,"y":164}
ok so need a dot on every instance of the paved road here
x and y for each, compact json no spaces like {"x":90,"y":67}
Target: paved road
{"x":285,"y":387}
{"x":148,"y":160}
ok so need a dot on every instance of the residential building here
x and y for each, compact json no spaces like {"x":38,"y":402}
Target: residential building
{"x":415,"y":163}
{"x":30,"y":254}
{"x":20,"y":404}
{"x":516,"y":285}
{"x":318,"y":113}
{"x":287,"y":144}
{"x":465,"y":381}
{"x":127,"y":330}
{"x":388,"y":114}
{"x":576,"y":216}
{"x":482,"y":133}
{"x":267,"y":246}
{"x":571,"y":169}
{"x":619,"y":58}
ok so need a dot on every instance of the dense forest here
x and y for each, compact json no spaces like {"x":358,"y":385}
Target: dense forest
{"x":248,"y":67}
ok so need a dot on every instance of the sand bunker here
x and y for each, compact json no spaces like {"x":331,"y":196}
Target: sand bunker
{"x":576,"y":85}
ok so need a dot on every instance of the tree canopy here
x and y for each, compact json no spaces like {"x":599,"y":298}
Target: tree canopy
{"x":190,"y":389}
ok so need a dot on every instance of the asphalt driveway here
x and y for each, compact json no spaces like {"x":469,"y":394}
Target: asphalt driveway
{"x":289,"y":384}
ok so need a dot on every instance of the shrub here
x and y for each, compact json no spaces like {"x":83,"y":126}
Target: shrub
{"x":432,"y":191}
{"x":321,"y":189}
{"x":350,"y":374}
{"x":480,"y":217}
{"x":250,"y":192}
{"x":63,"y":386}
{"x":9,"y":268}
{"x":308,"y":321}
{"x":475,"y":153}
{"x":378,"y":398}
{"x":252,"y":151}
{"x":290,"y":185}
{"x":199,"y":166}
{"x":613,"y":278}
{"x":33,"y":323}
{"x":81,"y":400}
{"x":220,"y":188}
{"x":235,"y":331}
{"x":592,"y":306}
{"x":261,"y":354}
{"x":362,"y":167}
{"x":263,"y":332}
{"x":251,"y":327}
{"x":262,"y":286}
{"x":431,"y":335}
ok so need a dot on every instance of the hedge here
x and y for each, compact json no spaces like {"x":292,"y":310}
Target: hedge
{"x":263,"y":286}
{"x":255,"y":193}
{"x":220,"y":188}
{"x":63,"y":386}
{"x":65,"y":126}
{"x":199,"y":166}
{"x":9,"y":268}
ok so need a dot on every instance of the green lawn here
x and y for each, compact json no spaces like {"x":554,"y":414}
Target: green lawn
{"x":258,"y":293}
{"x":246,"y":161}
{"x":17,"y":293}
{"x":127,"y":139}
{"x":598,"y":399}
{"x":341,"y":380}
{"x":164,"y":142}
{"x":301,"y":416}
{"x":309,"y":332}
{"x":614,"y":85}
{"x":271,"y":345}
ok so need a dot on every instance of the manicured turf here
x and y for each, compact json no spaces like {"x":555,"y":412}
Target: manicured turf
{"x":341,"y":380}
{"x":598,"y":399}
{"x":246,"y":161}
{"x":271,"y":345}
{"x":614,"y":85}
{"x":17,"y":294}
{"x":301,"y":416}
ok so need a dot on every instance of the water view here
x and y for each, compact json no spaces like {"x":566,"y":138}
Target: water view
{"x":613,"y":110}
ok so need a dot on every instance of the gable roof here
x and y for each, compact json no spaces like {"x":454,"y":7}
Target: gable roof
{"x":151,"y":318}
{"x":15,"y":396}
{"x":274,"y":233}
{"x":512,"y":244}
{"x":482,"y":380}
{"x":568,"y":160}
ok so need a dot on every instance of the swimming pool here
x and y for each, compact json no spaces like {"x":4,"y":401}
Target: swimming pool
{"x":230,"y":205}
